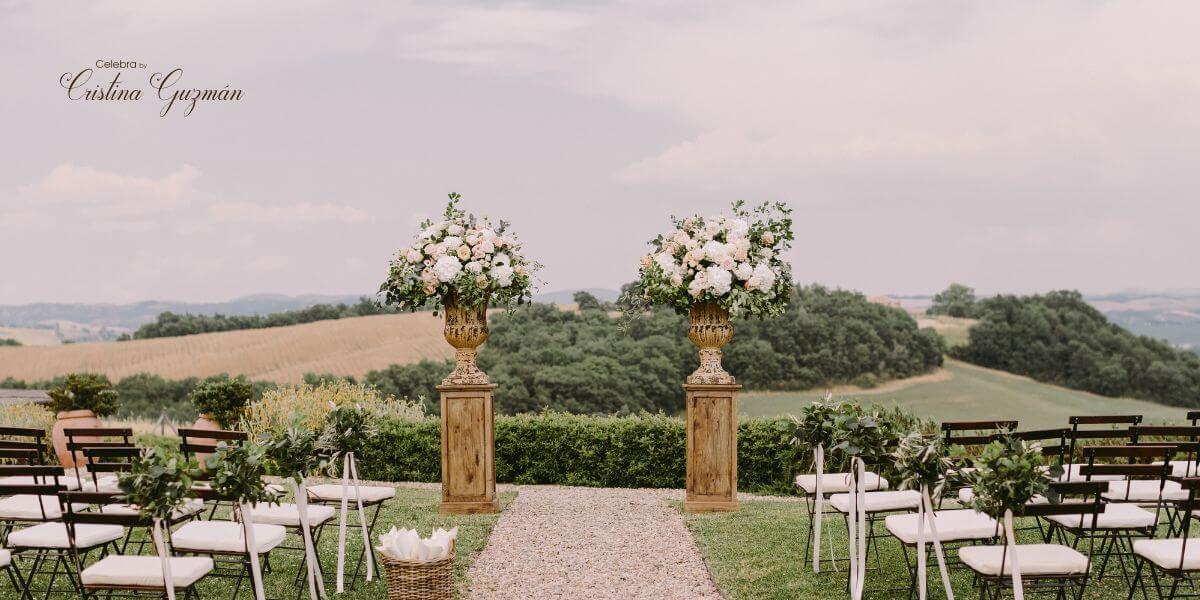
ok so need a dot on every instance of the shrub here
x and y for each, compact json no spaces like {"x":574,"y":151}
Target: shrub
{"x":639,"y":451}
{"x":32,"y":416}
{"x":84,"y":391}
{"x":305,"y":405}
{"x":223,"y":399}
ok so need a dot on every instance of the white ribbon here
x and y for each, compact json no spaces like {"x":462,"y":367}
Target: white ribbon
{"x":858,"y":529}
{"x":350,"y":474}
{"x":925,"y":511}
{"x":819,"y":457}
{"x":160,"y":546}
{"x":1011,"y":541}
{"x":316,"y":582}
{"x":252,"y":551}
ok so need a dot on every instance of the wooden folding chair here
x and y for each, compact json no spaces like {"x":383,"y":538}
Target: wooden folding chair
{"x":81,"y":438}
{"x":1079,"y":435}
{"x":1177,"y":558}
{"x":972,"y":435}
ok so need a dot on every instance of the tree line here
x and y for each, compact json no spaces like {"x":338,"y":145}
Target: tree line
{"x":169,"y":324}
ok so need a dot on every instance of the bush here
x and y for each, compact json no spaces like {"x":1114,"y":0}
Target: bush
{"x":306,"y":405}
{"x":224,"y":399}
{"x":84,"y":391}
{"x":561,"y":449}
{"x":31,"y":416}
{"x":146,"y":396}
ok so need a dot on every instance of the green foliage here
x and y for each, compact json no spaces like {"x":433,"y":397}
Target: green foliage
{"x":957,"y":300}
{"x":1009,"y":472}
{"x":84,"y":391}
{"x":587,"y":301}
{"x":819,"y":421}
{"x":415,"y":381}
{"x":349,"y":429}
{"x":170,"y":324}
{"x":223,"y":398}
{"x":297,"y":451}
{"x":1059,"y":338}
{"x":561,"y":449}
{"x":157,"y":483}
{"x":235,"y":472}
{"x":9,"y":342}
{"x":146,"y":395}
{"x":921,"y":459}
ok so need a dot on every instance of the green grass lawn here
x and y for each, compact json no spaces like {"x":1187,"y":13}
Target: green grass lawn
{"x":976,"y":393}
{"x":757,"y":551}
{"x":410,"y":508}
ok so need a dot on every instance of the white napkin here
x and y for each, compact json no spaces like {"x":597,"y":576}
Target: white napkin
{"x":408,"y":545}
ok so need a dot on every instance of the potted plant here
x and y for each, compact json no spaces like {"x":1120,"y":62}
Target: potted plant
{"x":714,"y":268}
{"x":221,"y":400}
{"x":461,"y":265}
{"x":79,"y":401}
{"x":157,"y":484}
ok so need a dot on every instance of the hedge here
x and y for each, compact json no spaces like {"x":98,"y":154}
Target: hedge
{"x":644,"y":451}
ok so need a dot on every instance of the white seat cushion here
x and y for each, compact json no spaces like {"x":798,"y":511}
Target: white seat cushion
{"x":1035,"y":559}
{"x":54,"y":535}
{"x":328,"y":491}
{"x":966,"y":495}
{"x":5,"y":558}
{"x":1165,"y":553}
{"x":1144,"y":490}
{"x":1071,"y":473}
{"x":225,"y":536}
{"x":105,"y":484}
{"x":952,"y":525}
{"x":30,"y":508}
{"x":145,"y":571}
{"x":190,"y":507}
{"x":879,"y":501}
{"x":288,"y":515}
{"x":277,"y":489}
{"x":832,"y":483}
{"x":68,"y":482}
{"x":1115,"y":516}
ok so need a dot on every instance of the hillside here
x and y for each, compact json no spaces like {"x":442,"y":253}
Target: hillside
{"x":965,"y":392}
{"x":282,"y":354}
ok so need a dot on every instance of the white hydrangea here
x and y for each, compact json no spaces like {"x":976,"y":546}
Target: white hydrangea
{"x":454,"y":229}
{"x":447,"y":267}
{"x":501,"y":260}
{"x":738,"y":227}
{"x":744,"y":271}
{"x":475,"y":266}
{"x":719,"y":280}
{"x":452,"y":241}
{"x":503,"y":275}
{"x":666,"y":262}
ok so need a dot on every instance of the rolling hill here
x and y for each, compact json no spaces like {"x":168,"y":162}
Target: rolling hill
{"x":282,"y":354}
{"x":961,"y":391}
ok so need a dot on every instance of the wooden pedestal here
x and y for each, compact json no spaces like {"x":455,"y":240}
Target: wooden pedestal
{"x":711,"y":448}
{"x":468,"y":450}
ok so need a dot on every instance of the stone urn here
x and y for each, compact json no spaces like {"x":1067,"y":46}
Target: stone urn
{"x":710,"y":329}
{"x":466,"y":329}
{"x":71,"y":419}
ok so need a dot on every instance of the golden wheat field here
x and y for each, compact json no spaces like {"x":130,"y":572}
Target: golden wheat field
{"x":281,"y":354}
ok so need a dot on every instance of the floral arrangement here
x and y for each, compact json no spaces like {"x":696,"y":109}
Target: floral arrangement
{"x":157,"y":483}
{"x":463,"y":257}
{"x":863,"y":434}
{"x":349,"y":428}
{"x":297,"y":451}
{"x":922,"y":460}
{"x":1009,"y":472}
{"x":735,"y":261}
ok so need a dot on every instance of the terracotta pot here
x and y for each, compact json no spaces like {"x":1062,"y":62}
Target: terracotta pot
{"x":206,"y":423}
{"x":71,"y":419}
{"x":710,"y":329}
{"x":466,"y":329}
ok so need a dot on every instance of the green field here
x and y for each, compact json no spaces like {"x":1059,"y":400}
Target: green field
{"x":971,"y":392}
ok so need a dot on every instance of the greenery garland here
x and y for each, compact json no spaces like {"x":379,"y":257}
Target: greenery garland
{"x":296,"y":451}
{"x":817,"y":424}
{"x":1009,"y":472}
{"x":235,"y":471}
{"x":921,"y":459}
{"x":157,"y":483}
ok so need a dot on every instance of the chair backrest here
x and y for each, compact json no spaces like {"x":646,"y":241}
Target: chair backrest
{"x":112,"y":459}
{"x":974,"y":433}
{"x":82,"y":438}
{"x":44,"y":481}
{"x":204,"y":441}
{"x":1184,"y":438}
{"x":1054,"y":444}
{"x":20,"y":456}
{"x":1140,"y":465}
{"x":1194,"y":416}
{"x":1078,"y":432}
{"x":24,"y":438}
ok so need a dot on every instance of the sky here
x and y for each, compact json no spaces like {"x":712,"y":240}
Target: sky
{"x":1016,"y":146}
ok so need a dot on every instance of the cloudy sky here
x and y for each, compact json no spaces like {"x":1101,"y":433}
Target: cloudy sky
{"x":1013,"y":146}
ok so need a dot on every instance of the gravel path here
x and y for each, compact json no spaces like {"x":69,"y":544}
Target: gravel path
{"x":568,"y":542}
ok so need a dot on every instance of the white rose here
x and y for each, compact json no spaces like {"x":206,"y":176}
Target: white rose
{"x":719,"y":280}
{"x":500,"y":259}
{"x":743,"y":271}
{"x":472,"y":239}
{"x":464,"y":252}
{"x":413,"y":256}
{"x":486,"y":246}
{"x":676,"y":279}
{"x":738,"y":227}
{"x":475,"y":266}
{"x":452,"y":241}
{"x":715,"y":250}
{"x":454,"y":229}
{"x":766,"y":253}
{"x":447,"y":267}
{"x":680,"y":237}
{"x":712,"y":226}
{"x":503,"y":275}
{"x":765,"y":276}
{"x":666,"y":262}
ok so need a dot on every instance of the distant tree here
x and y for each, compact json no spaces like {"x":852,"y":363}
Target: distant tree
{"x":957,"y":300}
{"x":586,"y":301}
{"x":169,"y":324}
{"x":9,"y":342}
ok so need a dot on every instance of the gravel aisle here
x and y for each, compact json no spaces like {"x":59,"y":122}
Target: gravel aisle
{"x":566,"y":542}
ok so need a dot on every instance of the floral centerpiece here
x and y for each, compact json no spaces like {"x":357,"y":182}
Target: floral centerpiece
{"x":462,"y":264}
{"x":715,"y":267}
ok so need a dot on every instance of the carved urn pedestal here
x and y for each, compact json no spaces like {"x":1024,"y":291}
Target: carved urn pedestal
{"x":711,"y":416}
{"x":468,"y":437}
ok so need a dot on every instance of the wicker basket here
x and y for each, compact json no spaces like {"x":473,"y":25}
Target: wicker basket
{"x":419,"y":581}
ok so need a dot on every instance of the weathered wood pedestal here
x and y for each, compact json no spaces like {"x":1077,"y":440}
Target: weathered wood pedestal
{"x":711,"y":447}
{"x":468,"y":450}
